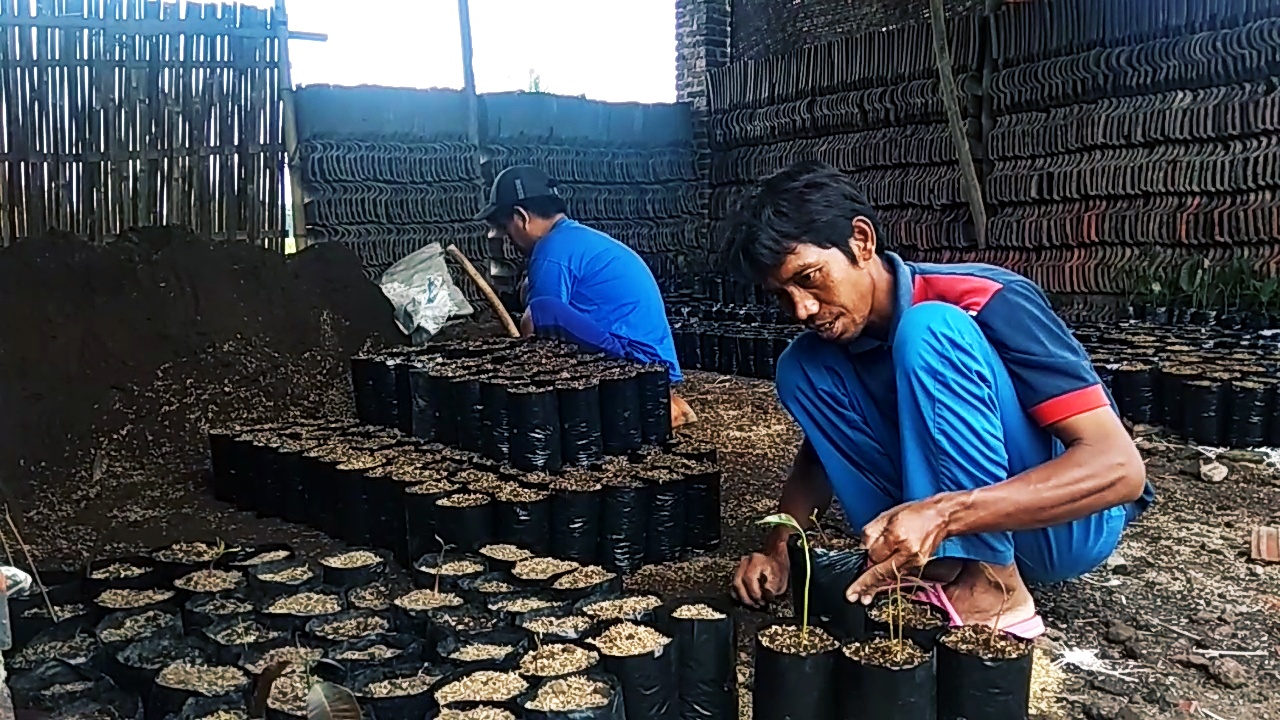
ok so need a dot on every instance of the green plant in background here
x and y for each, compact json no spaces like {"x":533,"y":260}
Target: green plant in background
{"x":785,"y":520}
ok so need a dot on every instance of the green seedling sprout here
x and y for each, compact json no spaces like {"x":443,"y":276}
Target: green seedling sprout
{"x":817,"y":525}
{"x":439,"y":563}
{"x":785,"y":520}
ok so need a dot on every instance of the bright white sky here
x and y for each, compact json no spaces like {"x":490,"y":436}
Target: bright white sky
{"x":616,"y":50}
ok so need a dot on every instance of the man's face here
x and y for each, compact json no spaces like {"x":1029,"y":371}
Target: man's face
{"x":826,"y":291}
{"x":515,"y":228}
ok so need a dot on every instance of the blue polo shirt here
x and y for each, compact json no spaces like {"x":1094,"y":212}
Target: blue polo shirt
{"x":1051,"y":371}
{"x":609,"y":283}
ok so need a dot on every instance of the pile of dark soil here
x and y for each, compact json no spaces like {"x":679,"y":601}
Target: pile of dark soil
{"x":115,"y":358}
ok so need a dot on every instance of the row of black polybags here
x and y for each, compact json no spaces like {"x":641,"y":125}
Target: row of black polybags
{"x":534,"y":404}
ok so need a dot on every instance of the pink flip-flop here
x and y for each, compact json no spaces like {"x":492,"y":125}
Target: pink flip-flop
{"x":1029,"y":629}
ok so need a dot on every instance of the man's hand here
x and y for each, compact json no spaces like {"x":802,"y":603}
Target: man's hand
{"x":898,"y":543}
{"x":761,"y":578}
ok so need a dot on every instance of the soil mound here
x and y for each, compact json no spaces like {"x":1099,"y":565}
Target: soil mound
{"x":130,"y":349}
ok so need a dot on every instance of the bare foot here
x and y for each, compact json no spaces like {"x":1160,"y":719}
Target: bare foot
{"x":681,"y":413}
{"x":995,"y":598}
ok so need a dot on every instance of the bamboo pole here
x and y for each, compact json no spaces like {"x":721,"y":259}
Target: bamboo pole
{"x":290,"y":120}
{"x":489,"y":294}
{"x":947,"y":86}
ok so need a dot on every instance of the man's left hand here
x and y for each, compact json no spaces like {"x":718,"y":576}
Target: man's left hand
{"x":898,"y":543}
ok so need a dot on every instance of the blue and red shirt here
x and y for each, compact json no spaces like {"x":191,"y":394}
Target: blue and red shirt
{"x":1051,"y":371}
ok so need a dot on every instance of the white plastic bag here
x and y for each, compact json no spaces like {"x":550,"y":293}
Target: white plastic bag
{"x":423,"y":294}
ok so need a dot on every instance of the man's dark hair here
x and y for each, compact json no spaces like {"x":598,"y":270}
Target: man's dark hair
{"x":809,"y":202}
{"x":543,"y":206}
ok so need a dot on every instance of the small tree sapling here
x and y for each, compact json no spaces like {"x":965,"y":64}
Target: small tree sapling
{"x":785,"y":520}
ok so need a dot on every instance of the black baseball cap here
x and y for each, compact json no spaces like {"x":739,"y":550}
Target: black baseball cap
{"x":515,"y":184}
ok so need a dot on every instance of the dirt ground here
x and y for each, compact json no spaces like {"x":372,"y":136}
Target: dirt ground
{"x":1144,"y":638}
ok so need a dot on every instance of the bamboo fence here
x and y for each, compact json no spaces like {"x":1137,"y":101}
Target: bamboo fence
{"x":123,"y":113}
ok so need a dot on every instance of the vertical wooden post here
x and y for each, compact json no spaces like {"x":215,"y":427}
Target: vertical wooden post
{"x":290,"y":120}
{"x":947,"y":86}
{"x":468,"y":72}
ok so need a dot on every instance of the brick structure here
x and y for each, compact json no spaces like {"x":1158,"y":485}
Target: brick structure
{"x":702,"y":45}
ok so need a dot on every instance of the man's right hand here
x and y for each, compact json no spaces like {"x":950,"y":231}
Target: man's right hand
{"x":761,"y":578}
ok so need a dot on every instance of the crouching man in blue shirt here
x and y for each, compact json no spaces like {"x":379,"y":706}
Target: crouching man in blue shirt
{"x":952,"y":413}
{"x":584,"y":287}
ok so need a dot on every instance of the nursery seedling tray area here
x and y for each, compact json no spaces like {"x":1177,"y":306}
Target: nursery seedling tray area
{"x":446,"y":648}
{"x":376,"y":487}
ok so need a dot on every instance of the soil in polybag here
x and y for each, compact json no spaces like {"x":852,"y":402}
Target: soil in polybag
{"x":184,"y":680}
{"x":499,"y":649}
{"x":53,"y":684}
{"x":576,"y":505}
{"x":468,"y":688}
{"x":464,"y":520}
{"x":580,"y":420}
{"x":353,"y":568}
{"x":371,"y":652}
{"x":230,"y":639}
{"x":443,"y":571}
{"x":72,"y":641}
{"x":291,"y":613}
{"x":121,"y":628}
{"x":833,"y":571}
{"x":420,"y":513}
{"x":899,"y":616}
{"x":887,"y":680}
{"x":795,"y":674}
{"x":29,"y":619}
{"x":983,"y":674}
{"x":644,"y":661}
{"x":349,"y":626}
{"x":397,"y":690}
{"x":135,"y":665}
{"x":1249,"y":410}
{"x":589,"y":696}
{"x":705,"y":644}
{"x":202,"y":611}
{"x":285,"y":577}
{"x":522,"y":517}
{"x":416,"y":611}
{"x":535,"y":440}
{"x":634,"y":607}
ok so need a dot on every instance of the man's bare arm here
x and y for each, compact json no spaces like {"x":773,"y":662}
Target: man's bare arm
{"x":807,"y":489}
{"x":1100,"y":469}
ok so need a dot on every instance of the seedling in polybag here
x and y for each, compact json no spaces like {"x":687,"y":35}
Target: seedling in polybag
{"x":785,"y":520}
{"x":440,"y":563}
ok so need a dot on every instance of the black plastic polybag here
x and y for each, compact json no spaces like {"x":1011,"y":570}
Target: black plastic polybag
{"x":1249,"y":409}
{"x":494,"y":422}
{"x":382,"y":376}
{"x":702,"y":508}
{"x":665,"y":532}
{"x":1202,"y":406}
{"x":1135,"y":391}
{"x":746,"y":353}
{"x":833,"y":571}
{"x":467,"y":527}
{"x":706,"y":657}
{"x":623,"y":524}
{"x":362,"y":370}
{"x":1171,"y":399}
{"x":468,"y":407}
{"x":613,"y":710}
{"x":650,"y":685}
{"x":728,"y":353}
{"x":523,"y":518}
{"x":620,"y":410}
{"x":420,"y":515}
{"x":404,"y":396}
{"x":970,"y":687}
{"x":655,"y":404}
{"x":400,"y":707}
{"x":764,"y":360}
{"x":579,"y":402}
{"x":872,"y":692}
{"x":440,"y":382}
{"x":794,"y":687}
{"x":534,"y":416}
{"x":423,"y":410}
{"x":575,"y":523}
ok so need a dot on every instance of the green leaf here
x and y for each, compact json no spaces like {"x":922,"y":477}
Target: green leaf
{"x":782,"y":519}
{"x":327,"y":701}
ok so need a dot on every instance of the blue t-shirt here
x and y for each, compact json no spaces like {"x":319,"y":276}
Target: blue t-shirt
{"x":609,"y":283}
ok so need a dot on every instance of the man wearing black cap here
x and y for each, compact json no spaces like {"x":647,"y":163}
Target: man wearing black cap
{"x":583,"y":286}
